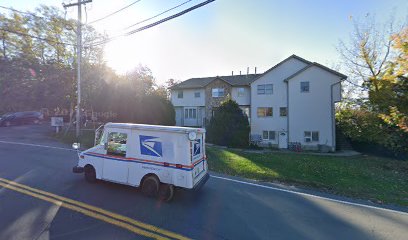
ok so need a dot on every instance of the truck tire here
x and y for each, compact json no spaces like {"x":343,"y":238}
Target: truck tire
{"x":166,"y":192}
{"x":90,"y":174}
{"x":150,"y":186}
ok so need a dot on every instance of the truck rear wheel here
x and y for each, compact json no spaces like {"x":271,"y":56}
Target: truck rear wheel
{"x":150,"y":186}
{"x":90,"y":174}
{"x":166,"y":192}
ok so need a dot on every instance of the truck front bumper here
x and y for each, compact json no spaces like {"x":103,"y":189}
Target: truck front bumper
{"x":201,"y":183}
{"x":77,"y":169}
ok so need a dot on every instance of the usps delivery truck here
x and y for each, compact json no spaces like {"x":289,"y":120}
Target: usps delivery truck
{"x":155,"y":158}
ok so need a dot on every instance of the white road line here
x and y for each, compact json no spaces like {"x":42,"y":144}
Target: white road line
{"x":309,"y":195}
{"x":36,"y":145}
{"x":246,"y":183}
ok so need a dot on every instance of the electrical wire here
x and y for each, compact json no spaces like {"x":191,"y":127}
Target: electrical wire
{"x":153,"y":24}
{"x":168,"y":10}
{"x":102,"y":18}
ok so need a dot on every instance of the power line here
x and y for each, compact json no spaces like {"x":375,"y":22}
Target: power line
{"x":32,"y":36}
{"x":100,"y":19}
{"x":168,"y":10}
{"x":154,"y":24}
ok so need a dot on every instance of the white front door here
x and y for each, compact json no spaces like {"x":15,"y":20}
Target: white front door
{"x":283,"y":140}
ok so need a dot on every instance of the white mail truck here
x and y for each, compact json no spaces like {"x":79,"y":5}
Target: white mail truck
{"x":155,"y":158}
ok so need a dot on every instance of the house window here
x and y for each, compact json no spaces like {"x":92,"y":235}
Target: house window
{"x":241,"y":92}
{"x":264,"y":112}
{"x":304,"y":86}
{"x":268,"y":135}
{"x":197,"y":94}
{"x":190,"y":113}
{"x":117,"y":144}
{"x":265,"y":89}
{"x":218,"y":92}
{"x":283,"y":111}
{"x":311,"y":136}
{"x":180,"y":94}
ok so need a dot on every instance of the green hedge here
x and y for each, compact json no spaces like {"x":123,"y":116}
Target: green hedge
{"x":368,"y":132}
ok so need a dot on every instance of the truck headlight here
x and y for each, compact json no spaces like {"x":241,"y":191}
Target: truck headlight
{"x":192,"y":136}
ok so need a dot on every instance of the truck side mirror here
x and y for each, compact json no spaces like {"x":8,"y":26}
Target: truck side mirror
{"x":105,"y":146}
{"x":76,"y":146}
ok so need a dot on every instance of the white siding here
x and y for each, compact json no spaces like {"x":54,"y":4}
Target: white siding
{"x":188,"y":98}
{"x":241,"y":100}
{"x":179,"y":115}
{"x":312,"y":111}
{"x":276,"y":100}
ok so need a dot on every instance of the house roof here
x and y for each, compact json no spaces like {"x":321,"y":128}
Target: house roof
{"x":281,"y":62}
{"x":236,"y":80}
{"x":242,"y":80}
{"x":342,"y":76}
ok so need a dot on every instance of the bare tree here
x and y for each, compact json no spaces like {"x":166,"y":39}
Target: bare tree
{"x":366,"y":54}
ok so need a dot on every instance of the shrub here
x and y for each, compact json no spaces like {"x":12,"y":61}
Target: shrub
{"x":229,"y":126}
{"x":368,"y":131}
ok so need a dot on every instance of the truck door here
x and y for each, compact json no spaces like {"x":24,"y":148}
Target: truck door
{"x":197,"y":157}
{"x":115,"y":165}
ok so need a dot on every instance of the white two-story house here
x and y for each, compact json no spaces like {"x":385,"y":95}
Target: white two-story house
{"x":291,"y":102}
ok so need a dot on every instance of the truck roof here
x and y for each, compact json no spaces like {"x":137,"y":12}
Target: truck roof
{"x":154,"y":127}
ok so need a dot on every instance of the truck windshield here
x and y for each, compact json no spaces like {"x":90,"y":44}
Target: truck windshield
{"x":100,"y":136}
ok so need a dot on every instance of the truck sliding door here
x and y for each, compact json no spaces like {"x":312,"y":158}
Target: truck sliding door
{"x":115,"y":165}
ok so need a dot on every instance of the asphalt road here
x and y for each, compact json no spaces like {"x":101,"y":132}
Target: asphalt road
{"x":223,"y":209}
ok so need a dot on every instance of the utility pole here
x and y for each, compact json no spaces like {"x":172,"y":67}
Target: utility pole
{"x":79,"y":54}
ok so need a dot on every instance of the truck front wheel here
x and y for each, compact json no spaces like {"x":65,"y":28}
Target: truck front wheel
{"x":90,"y":174}
{"x":150,"y":186}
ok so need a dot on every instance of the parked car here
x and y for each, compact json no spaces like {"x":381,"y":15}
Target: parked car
{"x":20,"y":118}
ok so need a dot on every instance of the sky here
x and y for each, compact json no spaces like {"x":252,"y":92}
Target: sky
{"x":225,"y":35}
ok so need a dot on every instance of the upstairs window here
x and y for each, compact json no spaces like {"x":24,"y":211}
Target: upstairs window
{"x":241,"y":92}
{"x":218,"y":92}
{"x":180,"y":94}
{"x":265,"y":89}
{"x":304,"y":87}
{"x":264,"y":112}
{"x":283,"y":111}
{"x":197,"y":94}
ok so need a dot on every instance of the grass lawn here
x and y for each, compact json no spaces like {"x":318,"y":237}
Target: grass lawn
{"x":366,"y":177}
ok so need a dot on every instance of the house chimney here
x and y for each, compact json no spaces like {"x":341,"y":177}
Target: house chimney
{"x":255,"y":70}
{"x":247,"y":70}
{"x":239,"y":72}
{"x":232,"y":73}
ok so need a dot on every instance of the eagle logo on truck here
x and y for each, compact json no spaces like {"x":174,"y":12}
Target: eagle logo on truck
{"x":150,"y":146}
{"x":197,"y":147}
